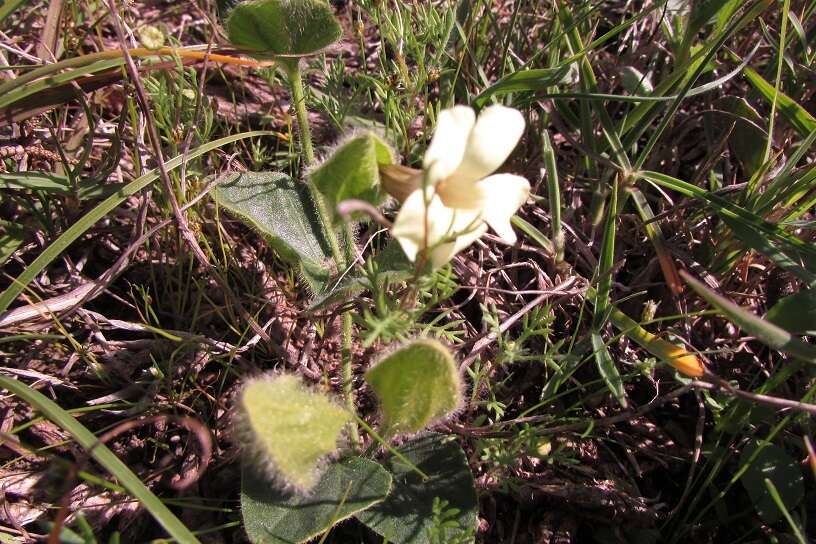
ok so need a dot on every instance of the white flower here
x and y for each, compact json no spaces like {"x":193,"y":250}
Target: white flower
{"x":461,"y":197}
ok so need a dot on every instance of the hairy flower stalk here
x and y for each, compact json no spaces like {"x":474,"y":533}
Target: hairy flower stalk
{"x":294,"y":78}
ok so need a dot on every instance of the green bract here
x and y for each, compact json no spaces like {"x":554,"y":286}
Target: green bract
{"x":291,"y":429}
{"x":283,"y":27}
{"x":352,"y":171}
{"x":417,"y":385}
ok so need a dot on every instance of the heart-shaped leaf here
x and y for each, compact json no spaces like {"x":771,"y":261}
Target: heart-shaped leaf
{"x":417,"y":385}
{"x":795,"y":313}
{"x":283,"y":27}
{"x":733,"y":115}
{"x":407,"y":515}
{"x":272,"y":516}
{"x":352,"y":171}
{"x":772,"y":463}
{"x":282,"y":210}
{"x":290,"y":429}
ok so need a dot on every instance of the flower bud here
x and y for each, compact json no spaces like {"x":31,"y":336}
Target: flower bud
{"x":400,"y":181}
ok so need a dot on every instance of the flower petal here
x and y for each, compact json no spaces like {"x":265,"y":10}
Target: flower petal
{"x":443,"y":222}
{"x":448,"y":143}
{"x":495,"y":134}
{"x":504,"y":195}
{"x":463,"y":195}
{"x":471,"y":228}
{"x":409,"y":226}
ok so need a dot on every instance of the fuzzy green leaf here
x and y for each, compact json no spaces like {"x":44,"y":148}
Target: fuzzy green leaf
{"x":406,"y":516}
{"x":417,"y":385}
{"x":272,"y":516}
{"x":283,"y":27}
{"x":290,"y":428}
{"x":773,"y":463}
{"x":282,"y":210}
{"x":352,"y":171}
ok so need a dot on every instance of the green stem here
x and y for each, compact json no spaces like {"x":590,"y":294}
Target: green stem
{"x":554,"y":194}
{"x":388,"y":447}
{"x":293,"y":74}
{"x":348,"y":384}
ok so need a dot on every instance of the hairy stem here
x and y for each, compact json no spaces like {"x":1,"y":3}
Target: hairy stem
{"x":294,"y":76}
{"x":348,"y":385}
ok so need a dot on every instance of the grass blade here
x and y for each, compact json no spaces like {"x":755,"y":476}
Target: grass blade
{"x":604,"y":271}
{"x":785,"y":257}
{"x":608,"y":370}
{"x":727,"y":209}
{"x":777,"y":499}
{"x":8,"y":7}
{"x":767,"y":332}
{"x":554,"y":194}
{"x":796,"y":115}
{"x":104,"y":457}
{"x":537,"y":236}
{"x":655,"y":234}
{"x":103,"y":208}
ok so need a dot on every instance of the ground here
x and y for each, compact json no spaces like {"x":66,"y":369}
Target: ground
{"x":147,"y":342}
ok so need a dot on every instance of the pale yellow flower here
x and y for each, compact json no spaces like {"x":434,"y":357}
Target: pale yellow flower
{"x":461,"y":197}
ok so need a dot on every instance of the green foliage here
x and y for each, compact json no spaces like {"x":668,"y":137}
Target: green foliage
{"x":283,"y":27}
{"x":11,"y":237}
{"x":403,"y":85}
{"x":536,"y":327}
{"x":408,"y":516}
{"x":272,"y":516}
{"x":773,"y":463}
{"x":352,"y":171}
{"x":772,"y":335}
{"x":380,"y":272}
{"x":608,"y":370}
{"x":282,"y":210}
{"x":79,"y":227}
{"x":417,"y":385}
{"x":391,"y":317}
{"x":701,"y":14}
{"x":785,"y":255}
{"x":446,"y":527}
{"x":536,"y":80}
{"x":104,"y":456}
{"x":747,"y":138}
{"x":175,"y":100}
{"x":795,"y":313}
{"x":799,"y":118}
{"x":289,"y":428}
